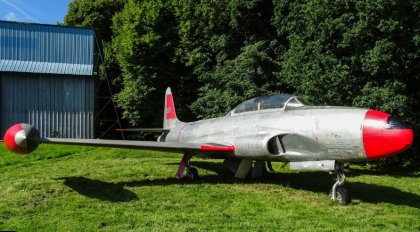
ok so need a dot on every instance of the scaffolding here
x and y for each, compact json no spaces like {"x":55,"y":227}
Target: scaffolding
{"x":105,"y":100}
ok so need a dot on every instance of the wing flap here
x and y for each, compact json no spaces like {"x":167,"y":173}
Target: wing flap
{"x":142,"y":145}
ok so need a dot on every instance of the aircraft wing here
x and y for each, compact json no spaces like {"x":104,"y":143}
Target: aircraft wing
{"x":146,"y":129}
{"x":143,"y":145}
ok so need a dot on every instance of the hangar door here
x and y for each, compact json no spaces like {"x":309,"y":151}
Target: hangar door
{"x":57,"y":105}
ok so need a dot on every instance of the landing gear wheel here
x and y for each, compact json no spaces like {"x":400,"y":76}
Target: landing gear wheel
{"x":342,"y":195}
{"x":192,"y":174}
{"x":338,"y":193}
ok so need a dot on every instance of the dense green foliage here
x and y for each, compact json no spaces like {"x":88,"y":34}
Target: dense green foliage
{"x":216,"y":54}
{"x":130,"y":190}
{"x":147,"y":49}
{"x":332,"y":52}
{"x":360,"y":53}
{"x":234,"y":50}
{"x":96,"y":14}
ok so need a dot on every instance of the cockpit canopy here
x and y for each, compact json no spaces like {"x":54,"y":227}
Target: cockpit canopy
{"x":270,"y":103}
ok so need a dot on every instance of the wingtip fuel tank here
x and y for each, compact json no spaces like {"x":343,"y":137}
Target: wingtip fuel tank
{"x":22,"y":139}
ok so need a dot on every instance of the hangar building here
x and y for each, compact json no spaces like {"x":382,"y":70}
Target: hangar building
{"x":47,"y":79}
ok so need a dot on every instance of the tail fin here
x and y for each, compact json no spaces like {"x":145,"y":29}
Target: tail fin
{"x":170,"y":119}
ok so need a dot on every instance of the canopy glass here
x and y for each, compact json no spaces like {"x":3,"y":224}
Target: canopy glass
{"x":279,"y":101}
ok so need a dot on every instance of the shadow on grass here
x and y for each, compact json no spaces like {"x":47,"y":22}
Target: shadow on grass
{"x":382,"y":172}
{"x":319,"y":182}
{"x":99,"y":189}
{"x":322,"y":182}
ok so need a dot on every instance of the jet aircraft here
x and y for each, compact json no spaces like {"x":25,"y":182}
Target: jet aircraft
{"x":277,"y":128}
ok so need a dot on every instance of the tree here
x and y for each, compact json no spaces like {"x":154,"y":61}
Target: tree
{"x":234,"y":52}
{"x":95,"y":14}
{"x":353,"y":53}
{"x":147,"y":48}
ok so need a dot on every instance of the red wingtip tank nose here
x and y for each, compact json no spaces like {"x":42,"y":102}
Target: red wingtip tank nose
{"x":22,"y":139}
{"x":384,"y":135}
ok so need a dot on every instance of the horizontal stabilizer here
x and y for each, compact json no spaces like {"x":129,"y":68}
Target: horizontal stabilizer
{"x":143,"y":145}
{"x":146,"y":129}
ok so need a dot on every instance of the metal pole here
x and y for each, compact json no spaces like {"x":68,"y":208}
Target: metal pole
{"x":109,"y":86}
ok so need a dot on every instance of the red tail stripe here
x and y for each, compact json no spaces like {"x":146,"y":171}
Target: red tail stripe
{"x":170,"y":107}
{"x":213,"y":148}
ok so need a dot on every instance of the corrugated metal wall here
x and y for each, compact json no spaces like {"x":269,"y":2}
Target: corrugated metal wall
{"x":60,"y":103}
{"x":46,"y":49}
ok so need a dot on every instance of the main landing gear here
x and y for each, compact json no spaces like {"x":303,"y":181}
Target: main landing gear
{"x":192,"y":173}
{"x":338,"y":193}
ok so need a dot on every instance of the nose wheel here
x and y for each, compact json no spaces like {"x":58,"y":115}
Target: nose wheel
{"x":338,"y":193}
{"x":341,"y":195}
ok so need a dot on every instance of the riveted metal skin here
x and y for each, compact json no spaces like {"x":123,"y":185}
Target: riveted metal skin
{"x":305,"y":134}
{"x":327,"y":165}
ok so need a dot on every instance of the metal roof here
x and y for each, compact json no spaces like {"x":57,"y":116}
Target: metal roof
{"x":39,"y":48}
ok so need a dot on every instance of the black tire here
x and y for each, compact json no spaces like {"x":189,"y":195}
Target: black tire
{"x":192,"y":174}
{"x":342,"y":195}
{"x":265,"y":172}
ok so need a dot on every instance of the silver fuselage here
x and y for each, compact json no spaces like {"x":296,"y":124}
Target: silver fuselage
{"x":301,"y":134}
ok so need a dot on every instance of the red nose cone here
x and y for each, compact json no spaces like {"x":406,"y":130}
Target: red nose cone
{"x":384,"y":135}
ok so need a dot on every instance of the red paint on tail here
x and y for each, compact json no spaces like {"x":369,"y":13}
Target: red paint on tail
{"x":170,"y":107}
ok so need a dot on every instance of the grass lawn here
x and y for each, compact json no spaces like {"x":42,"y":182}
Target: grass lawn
{"x":64,"y":188}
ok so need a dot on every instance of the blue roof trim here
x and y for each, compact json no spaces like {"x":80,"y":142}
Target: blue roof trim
{"x":45,"y":67}
{"x":39,"y":48}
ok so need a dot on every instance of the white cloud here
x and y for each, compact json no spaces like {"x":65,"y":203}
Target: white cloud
{"x":11,"y":17}
{"x":20,"y":10}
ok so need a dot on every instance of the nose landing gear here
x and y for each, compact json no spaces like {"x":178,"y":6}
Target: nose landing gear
{"x":338,"y":193}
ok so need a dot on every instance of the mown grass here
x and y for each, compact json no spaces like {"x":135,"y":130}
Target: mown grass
{"x":63,"y":188}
